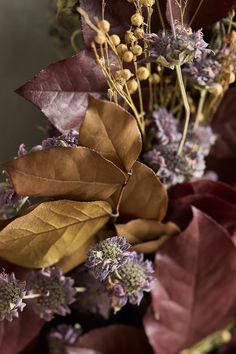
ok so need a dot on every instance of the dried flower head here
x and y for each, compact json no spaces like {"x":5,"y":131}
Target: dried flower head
{"x":66,"y":140}
{"x":66,"y":334}
{"x":172,"y":168}
{"x":130,"y":281}
{"x":164,"y":127}
{"x":10,"y":201}
{"x":203,"y":137}
{"x":107,"y":256}
{"x":170,"y":50}
{"x":12,"y":293}
{"x":54,"y":292}
{"x":203,"y":73}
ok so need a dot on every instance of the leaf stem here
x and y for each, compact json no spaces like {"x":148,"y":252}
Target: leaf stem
{"x":160,"y":14}
{"x":200,"y":108}
{"x":186,"y":106}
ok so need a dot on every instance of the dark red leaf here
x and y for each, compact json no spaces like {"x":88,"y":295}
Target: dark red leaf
{"x":208,"y":13}
{"x":194,"y":294}
{"x":61,"y":90}
{"x":114,"y":339}
{"x":213,"y":198}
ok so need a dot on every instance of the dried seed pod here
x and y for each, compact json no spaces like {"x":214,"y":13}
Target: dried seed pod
{"x":100,"y":38}
{"x":147,"y":3}
{"x":132,"y":86}
{"x":115,"y":39}
{"x":137,"y":19}
{"x":155,"y":78}
{"x":139,"y":33}
{"x":137,"y":50}
{"x":104,"y":26}
{"x":125,"y":74}
{"x":121,"y":49}
{"x":128,"y":56}
{"x":216,"y":89}
{"x":143,"y":73}
{"x":129,"y":37}
{"x":231,"y":79}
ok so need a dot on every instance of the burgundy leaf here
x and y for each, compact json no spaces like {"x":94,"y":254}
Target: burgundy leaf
{"x":114,"y":339}
{"x":61,"y":90}
{"x":208,"y":13}
{"x":194,"y":294}
{"x":213,"y":198}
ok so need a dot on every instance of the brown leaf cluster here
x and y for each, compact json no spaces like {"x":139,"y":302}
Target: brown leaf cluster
{"x":97,"y":181}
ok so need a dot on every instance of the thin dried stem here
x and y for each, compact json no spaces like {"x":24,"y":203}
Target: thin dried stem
{"x":196,"y":12}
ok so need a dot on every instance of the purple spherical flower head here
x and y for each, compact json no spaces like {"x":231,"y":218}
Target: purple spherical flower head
{"x":55,"y":292}
{"x":172,"y":168}
{"x":66,"y":334}
{"x":164,"y":127}
{"x":130,"y":281}
{"x":65,"y":140}
{"x":170,"y":50}
{"x":107,"y":256}
{"x":203,"y":137}
{"x":12,"y":293}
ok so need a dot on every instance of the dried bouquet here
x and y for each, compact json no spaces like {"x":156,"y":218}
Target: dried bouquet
{"x":118,"y":231}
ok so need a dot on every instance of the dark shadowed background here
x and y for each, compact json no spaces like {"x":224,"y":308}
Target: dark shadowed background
{"x":25,"y":49}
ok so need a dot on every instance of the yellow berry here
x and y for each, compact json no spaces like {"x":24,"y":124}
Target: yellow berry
{"x":115,"y":39}
{"x":121,"y":49}
{"x":132,"y":86}
{"x":147,"y":2}
{"x":143,"y":73}
{"x":137,"y":19}
{"x":104,"y":26}
{"x":155,"y":78}
{"x":129,"y":37}
{"x":128,"y":56}
{"x":100,"y":38}
{"x":216,"y":89}
{"x":139,"y":33}
{"x":137,"y":50}
{"x":126,"y":74}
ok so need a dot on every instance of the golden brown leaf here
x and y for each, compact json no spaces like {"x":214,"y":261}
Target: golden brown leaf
{"x":52,"y":231}
{"x":146,"y":235}
{"x":75,"y":173}
{"x":112,"y":131}
{"x":144,"y":195}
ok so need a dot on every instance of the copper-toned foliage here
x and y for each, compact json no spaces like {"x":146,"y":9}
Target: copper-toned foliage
{"x":144,"y":196}
{"x":213,"y":198}
{"x":52,"y":231}
{"x":194,"y":294}
{"x":111,"y":131}
{"x":115,"y":339}
{"x":75,"y":173}
{"x":146,"y":235}
{"x":61,"y":90}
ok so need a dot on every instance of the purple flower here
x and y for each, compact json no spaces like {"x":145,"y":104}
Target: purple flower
{"x":164,"y":127}
{"x":172,"y":168}
{"x":12,"y":293}
{"x":107,"y":256}
{"x":54,"y":292}
{"x":169,"y":50}
{"x":62,"y":336}
{"x":10,"y":202}
{"x":66,"y":140}
{"x":203,"y":72}
{"x":203,"y":137}
{"x":130,"y":281}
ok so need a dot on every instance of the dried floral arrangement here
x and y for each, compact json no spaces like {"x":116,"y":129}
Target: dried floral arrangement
{"x":117,"y":232}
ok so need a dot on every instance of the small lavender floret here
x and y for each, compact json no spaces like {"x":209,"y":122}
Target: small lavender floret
{"x":130,"y":281}
{"x":12,"y":293}
{"x":66,"y":334}
{"x":172,"y":168}
{"x":65,"y":140}
{"x":203,"y":73}
{"x":169,"y":50}
{"x":107,"y":256}
{"x":10,"y":201}
{"x":164,"y":127}
{"x":203,"y":137}
{"x":55,"y":292}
